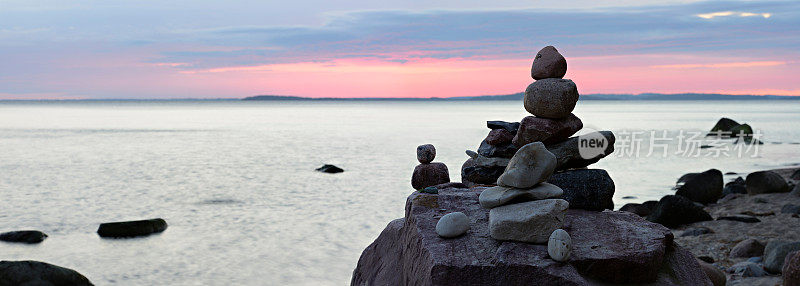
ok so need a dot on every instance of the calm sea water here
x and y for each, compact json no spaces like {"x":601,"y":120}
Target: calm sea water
{"x":236,"y":180}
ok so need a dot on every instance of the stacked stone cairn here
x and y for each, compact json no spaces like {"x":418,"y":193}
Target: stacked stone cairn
{"x":428,"y":173}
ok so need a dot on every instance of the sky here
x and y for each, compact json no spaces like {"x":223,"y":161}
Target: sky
{"x":408,"y":48}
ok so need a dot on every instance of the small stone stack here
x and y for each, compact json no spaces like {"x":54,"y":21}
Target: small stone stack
{"x":524,"y":207}
{"x":428,"y":173}
{"x":486,"y":165}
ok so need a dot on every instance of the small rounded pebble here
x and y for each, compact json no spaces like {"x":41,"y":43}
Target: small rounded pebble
{"x":559,"y":246}
{"x":426,"y":153}
{"x":452,"y":225}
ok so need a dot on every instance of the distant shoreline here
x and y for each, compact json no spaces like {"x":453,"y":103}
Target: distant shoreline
{"x":507,"y":97}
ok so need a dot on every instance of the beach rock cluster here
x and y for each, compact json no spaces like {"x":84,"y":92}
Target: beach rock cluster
{"x":428,"y":173}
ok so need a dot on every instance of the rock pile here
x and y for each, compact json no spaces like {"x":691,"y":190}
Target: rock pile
{"x":428,"y":173}
{"x":550,"y":99}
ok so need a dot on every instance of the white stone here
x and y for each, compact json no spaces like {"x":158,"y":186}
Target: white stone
{"x":499,"y":195}
{"x":559,"y":246}
{"x":452,"y":225}
{"x":529,"y":221}
{"x":531,"y":165}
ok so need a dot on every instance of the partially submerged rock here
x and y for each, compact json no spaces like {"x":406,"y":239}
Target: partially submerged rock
{"x":39,"y":273}
{"x":409,"y":252}
{"x":132,"y":228}
{"x":330,"y":169}
{"x":23,"y":236}
{"x":723,"y":127}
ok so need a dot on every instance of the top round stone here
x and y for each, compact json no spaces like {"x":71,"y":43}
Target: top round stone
{"x":426,"y":153}
{"x":548,"y":64}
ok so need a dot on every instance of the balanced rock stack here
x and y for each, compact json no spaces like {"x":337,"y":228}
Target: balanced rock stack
{"x":523,"y":207}
{"x":428,"y":173}
{"x":550,"y":99}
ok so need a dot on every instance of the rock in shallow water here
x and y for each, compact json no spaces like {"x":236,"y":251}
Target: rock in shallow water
{"x":330,"y":169}
{"x":426,"y":153}
{"x":499,"y":195}
{"x":452,"y":225}
{"x":35,"y":273}
{"x":409,"y":252}
{"x":432,"y":174}
{"x":548,"y":131}
{"x":673,"y":211}
{"x":132,"y":228}
{"x":551,"y":98}
{"x":23,"y":236}
{"x":548,"y":63}
{"x":527,"y":222}
{"x":531,"y":165}
{"x":559,"y":245}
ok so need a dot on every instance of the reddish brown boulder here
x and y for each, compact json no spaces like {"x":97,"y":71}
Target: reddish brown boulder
{"x":549,"y":63}
{"x":610,"y":247}
{"x":426,"y":175}
{"x":498,"y":137}
{"x":548,"y":131}
{"x":551,"y":98}
{"x":791,"y":269}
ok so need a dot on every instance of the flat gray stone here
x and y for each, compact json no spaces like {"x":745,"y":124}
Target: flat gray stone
{"x":499,"y":195}
{"x":531,"y":222}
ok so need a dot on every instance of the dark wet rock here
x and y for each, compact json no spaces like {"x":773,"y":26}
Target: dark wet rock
{"x":734,"y":189}
{"x":775,"y":254}
{"x":786,"y":209}
{"x":748,"y":140}
{"x":409,"y":252}
{"x":551,"y":98}
{"x":510,"y":126}
{"x":35,"y":273}
{"x":704,"y":188}
{"x":684,"y":178}
{"x":705,"y":146}
{"x":672,"y":211}
{"x":747,"y":269}
{"x":747,"y":248}
{"x":219,"y":202}
{"x":638,"y":209}
{"x":741,"y":131}
{"x":740,"y":218}
{"x":426,"y":153}
{"x":791,"y":269}
{"x":23,"y":236}
{"x":723,"y":127}
{"x":483,"y":175}
{"x":796,"y":175}
{"x":716,"y":275}
{"x":492,"y":151}
{"x":330,"y":169}
{"x":628,"y":197}
{"x":764,"y":182}
{"x":650,"y":205}
{"x":697,"y":231}
{"x":548,"y":63}
{"x":548,"y":131}
{"x":426,"y":175}
{"x":569,"y":156}
{"x":730,"y":173}
{"x":587,"y":189}
{"x":132,"y":228}
{"x":499,"y":137}
{"x":737,"y":181}
{"x":706,"y":259}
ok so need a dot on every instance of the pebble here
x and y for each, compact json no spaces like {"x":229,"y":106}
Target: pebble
{"x":747,"y":248}
{"x":559,"y":246}
{"x":452,"y":225}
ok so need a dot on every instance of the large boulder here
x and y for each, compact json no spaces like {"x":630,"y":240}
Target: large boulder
{"x":764,"y":182}
{"x":673,"y":211}
{"x":569,"y":155}
{"x":426,"y":175}
{"x":587,"y":189}
{"x":775,"y":253}
{"x":23,"y":236}
{"x":704,"y":188}
{"x":132,"y":228}
{"x":551,"y":98}
{"x":39,"y":273}
{"x":409,"y":252}
{"x":532,"y":221}
{"x":548,"y":63}
{"x":531,"y":165}
{"x":548,"y":131}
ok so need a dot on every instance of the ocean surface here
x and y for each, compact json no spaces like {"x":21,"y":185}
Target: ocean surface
{"x":236,"y":180}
